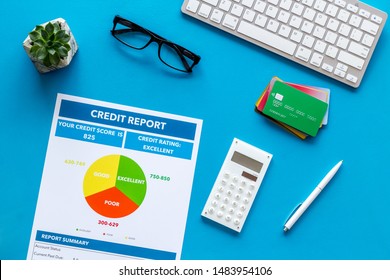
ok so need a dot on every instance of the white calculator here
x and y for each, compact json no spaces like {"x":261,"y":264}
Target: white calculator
{"x":237,"y":184}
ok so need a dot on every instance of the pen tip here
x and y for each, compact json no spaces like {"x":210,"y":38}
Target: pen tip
{"x":285,"y":229}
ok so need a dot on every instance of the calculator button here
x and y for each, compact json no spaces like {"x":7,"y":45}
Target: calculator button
{"x":229,"y":192}
{"x":220,"y":188}
{"x":249,"y":193}
{"x":235,"y":204}
{"x":214,"y":203}
{"x":226,"y":200}
{"x":219,"y":214}
{"x":217,"y":196}
{"x":223,"y":182}
{"x":246,"y":200}
{"x":222,"y":207}
{"x":242,"y":207}
{"x":228,"y":218}
{"x":240,"y":189}
{"x":231,"y":210}
{"x":211,"y":210}
{"x":239,"y":214}
{"x":237,"y":197}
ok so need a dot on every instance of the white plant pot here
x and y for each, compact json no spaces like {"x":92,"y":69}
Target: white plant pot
{"x":64,"y":62}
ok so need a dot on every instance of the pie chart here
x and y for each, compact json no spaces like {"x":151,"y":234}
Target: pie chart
{"x":114,"y":186}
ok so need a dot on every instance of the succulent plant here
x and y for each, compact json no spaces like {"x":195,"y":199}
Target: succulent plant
{"x":49,"y":43}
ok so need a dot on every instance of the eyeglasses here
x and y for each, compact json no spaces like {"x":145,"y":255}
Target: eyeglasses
{"x":137,"y":37}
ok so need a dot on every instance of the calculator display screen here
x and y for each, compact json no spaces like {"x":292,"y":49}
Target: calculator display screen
{"x":246,"y":161}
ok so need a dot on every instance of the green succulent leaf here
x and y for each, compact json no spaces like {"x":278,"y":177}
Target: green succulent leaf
{"x":67,"y":46}
{"x":34,"y":49}
{"x":39,"y":27}
{"x":57,"y":27}
{"x":45,"y":35}
{"x":41,"y":53}
{"x":62,"y":51}
{"x":51,"y":51}
{"x":54,"y":58}
{"x":49,"y":28}
{"x":62,"y":37}
{"x":47,"y":62}
{"x":34,"y":35}
{"x":39,"y":42}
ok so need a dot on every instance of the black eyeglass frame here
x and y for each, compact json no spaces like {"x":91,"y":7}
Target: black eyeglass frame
{"x":181,"y":51}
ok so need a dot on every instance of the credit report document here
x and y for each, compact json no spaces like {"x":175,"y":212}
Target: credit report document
{"x":116,"y":183}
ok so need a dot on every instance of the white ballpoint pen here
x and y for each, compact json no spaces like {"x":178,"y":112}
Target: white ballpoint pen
{"x":303,"y":206}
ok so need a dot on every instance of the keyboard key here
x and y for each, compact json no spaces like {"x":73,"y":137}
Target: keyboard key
{"x":332,"y":51}
{"x":297,"y":9}
{"x":249,"y":15}
{"x":286,"y":4}
{"x":204,"y":10}
{"x":356,"y":35}
{"x":316,"y":60}
{"x":309,"y":14}
{"x":370,"y":27}
{"x":272,"y":25}
{"x":344,"y":15}
{"x":364,"y":13}
{"x":355,"y":20}
{"x":320,"y":5}
{"x":352,"y":8}
{"x":333,"y":24}
{"x":271,"y":11}
{"x":283,"y":16}
{"x":216,"y":16}
{"x":303,"y":54}
{"x":285,"y":31}
{"x":376,"y":19}
{"x":260,"y":6}
{"x":212,"y":2}
{"x":339,"y":73}
{"x":342,"y":42}
{"x":193,"y":5}
{"x":332,"y":10}
{"x":320,"y":46}
{"x":352,"y":78}
{"x":327,"y":67}
{"x":225,"y":5}
{"x":260,"y":20}
{"x":247,"y":3}
{"x":368,"y":40}
{"x":237,"y":10}
{"x":359,"y":50}
{"x":296,"y":36}
{"x":267,"y":37}
{"x":340,"y":3}
{"x":351,"y":60}
{"x":230,"y":22}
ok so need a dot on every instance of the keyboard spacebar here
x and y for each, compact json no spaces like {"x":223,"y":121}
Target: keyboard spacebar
{"x":267,"y":37}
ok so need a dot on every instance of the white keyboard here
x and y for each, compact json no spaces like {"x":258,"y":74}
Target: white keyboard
{"x":334,"y":37}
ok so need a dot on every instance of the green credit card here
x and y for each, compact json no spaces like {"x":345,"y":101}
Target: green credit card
{"x":295,"y":108}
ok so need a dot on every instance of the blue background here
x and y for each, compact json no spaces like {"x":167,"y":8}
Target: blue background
{"x":349,"y":220}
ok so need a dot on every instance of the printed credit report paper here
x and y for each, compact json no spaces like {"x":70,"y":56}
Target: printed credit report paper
{"x":116,"y":183}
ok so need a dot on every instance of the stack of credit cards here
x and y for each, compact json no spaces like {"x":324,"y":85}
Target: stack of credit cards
{"x":300,"y":109}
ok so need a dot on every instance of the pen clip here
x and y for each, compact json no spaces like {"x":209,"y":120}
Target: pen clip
{"x":293,"y":211}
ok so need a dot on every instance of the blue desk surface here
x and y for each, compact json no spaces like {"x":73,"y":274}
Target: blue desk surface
{"x":349,"y":220}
